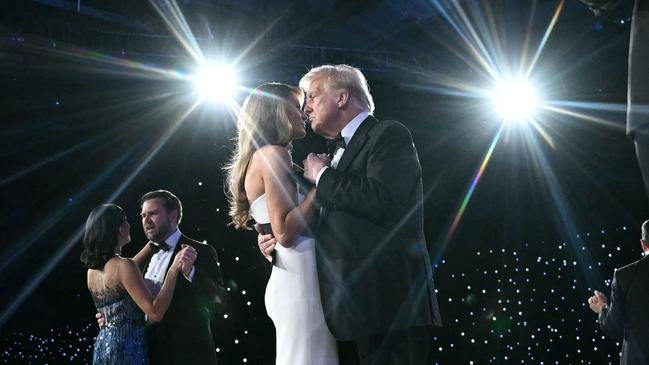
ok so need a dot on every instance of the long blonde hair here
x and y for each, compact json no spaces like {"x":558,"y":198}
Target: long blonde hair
{"x":263,"y":120}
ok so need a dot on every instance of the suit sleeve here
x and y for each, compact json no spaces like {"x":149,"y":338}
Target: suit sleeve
{"x":392,"y":171}
{"x":208,"y":282}
{"x":611,"y":319}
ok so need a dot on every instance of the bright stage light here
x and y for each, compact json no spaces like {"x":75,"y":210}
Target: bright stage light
{"x":515,"y":100}
{"x":216,"y":82}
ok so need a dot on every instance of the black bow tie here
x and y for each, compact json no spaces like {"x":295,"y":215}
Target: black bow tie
{"x":159,"y":246}
{"x":336,"y":143}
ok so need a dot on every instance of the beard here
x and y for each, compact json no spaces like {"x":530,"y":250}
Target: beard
{"x":158,"y":233}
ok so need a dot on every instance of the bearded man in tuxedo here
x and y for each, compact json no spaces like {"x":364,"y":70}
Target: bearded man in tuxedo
{"x":183,"y":336}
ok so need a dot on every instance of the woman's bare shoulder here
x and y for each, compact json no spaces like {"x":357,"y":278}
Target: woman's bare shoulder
{"x":271,"y":156}
{"x":271,"y":150}
{"x":125,"y":263}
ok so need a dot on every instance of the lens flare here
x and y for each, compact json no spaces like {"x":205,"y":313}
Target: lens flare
{"x":216,"y":83}
{"x":515,"y":100}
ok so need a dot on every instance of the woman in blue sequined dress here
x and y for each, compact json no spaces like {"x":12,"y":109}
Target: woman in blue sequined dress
{"x":118,"y":290}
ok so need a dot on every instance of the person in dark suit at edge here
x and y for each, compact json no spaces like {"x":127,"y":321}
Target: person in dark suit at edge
{"x":626,"y":317}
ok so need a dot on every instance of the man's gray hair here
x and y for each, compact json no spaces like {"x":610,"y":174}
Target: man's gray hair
{"x":645,"y":233}
{"x":338,"y":77}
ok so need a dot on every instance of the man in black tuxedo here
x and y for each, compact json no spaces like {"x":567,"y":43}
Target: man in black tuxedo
{"x":626,"y":317}
{"x":183,"y":336}
{"x":374,"y":269}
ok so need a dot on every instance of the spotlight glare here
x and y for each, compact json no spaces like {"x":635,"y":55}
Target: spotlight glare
{"x":216,"y":82}
{"x":515,"y":100}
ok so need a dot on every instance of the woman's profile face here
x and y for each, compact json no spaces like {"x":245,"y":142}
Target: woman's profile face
{"x":297,"y":117}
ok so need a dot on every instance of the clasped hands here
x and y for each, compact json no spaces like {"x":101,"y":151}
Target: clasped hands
{"x":184,"y":262}
{"x":313,"y":164}
{"x":185,"y":258}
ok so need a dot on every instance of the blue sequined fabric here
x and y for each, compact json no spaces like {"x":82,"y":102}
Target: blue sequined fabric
{"x":121,"y":340}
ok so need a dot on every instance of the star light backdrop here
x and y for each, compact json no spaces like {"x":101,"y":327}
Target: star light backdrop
{"x":528,"y":209}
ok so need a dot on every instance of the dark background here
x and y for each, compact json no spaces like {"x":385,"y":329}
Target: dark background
{"x":85,"y":121}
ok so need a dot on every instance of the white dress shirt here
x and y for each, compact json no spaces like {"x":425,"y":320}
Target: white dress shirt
{"x":347,"y":133}
{"x":155,"y":273}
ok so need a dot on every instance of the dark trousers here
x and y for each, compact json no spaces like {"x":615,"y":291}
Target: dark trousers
{"x":404,"y":347}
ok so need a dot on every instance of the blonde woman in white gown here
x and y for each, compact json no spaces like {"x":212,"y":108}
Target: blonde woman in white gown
{"x":260,"y":187}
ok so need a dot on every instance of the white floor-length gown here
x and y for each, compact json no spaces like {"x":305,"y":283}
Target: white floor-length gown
{"x":293,"y":301}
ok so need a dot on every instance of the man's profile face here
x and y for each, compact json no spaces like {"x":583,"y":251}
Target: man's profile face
{"x":322,"y":109}
{"x":158,"y":224}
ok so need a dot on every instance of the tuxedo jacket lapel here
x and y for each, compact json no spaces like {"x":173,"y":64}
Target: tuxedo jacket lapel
{"x":356,"y":144}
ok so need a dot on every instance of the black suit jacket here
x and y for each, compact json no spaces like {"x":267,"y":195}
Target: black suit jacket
{"x":184,"y":336}
{"x":373,"y":266}
{"x":638,"y":90}
{"x":627,"y":316}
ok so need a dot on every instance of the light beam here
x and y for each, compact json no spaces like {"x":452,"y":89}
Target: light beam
{"x":216,"y":83}
{"x":515,"y":100}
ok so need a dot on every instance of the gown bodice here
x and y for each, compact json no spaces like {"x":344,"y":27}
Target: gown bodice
{"x":300,"y":257}
{"x":117,"y":306}
{"x":121,"y":340}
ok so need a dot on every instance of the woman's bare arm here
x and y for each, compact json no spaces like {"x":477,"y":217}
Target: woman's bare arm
{"x":287,"y":219}
{"x":131,"y":279}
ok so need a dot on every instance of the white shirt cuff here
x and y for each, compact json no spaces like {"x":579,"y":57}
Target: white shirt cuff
{"x":317,"y":178}
{"x":191,"y":274}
